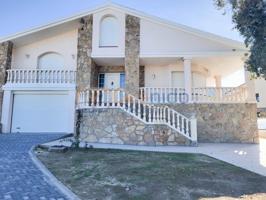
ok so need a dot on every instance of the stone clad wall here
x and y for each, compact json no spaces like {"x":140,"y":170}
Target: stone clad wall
{"x":216,"y":123}
{"x":5,"y":60}
{"x":115,"y":126}
{"x":223,"y":122}
{"x":132,"y":49}
{"x":86,"y":68}
{"x":6,"y":49}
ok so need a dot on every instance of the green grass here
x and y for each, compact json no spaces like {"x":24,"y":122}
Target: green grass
{"x":136,"y":175}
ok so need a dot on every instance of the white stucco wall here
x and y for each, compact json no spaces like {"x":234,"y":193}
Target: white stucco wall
{"x":159,"y":39}
{"x":98,"y":51}
{"x":260,"y":87}
{"x":161,"y":76}
{"x":65,"y":44}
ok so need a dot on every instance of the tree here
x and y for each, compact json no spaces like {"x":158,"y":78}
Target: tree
{"x":249,"y":17}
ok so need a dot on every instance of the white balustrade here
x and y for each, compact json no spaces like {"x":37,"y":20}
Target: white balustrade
{"x":36,"y":76}
{"x":199,"y":95}
{"x":147,"y":113}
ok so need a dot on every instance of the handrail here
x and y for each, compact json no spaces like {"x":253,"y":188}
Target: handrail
{"x":33,"y":76}
{"x":147,"y":113}
{"x":198,"y":95}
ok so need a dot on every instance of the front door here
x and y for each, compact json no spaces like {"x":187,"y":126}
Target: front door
{"x":112,"y":81}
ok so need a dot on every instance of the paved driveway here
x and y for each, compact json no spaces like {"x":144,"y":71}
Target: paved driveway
{"x":20,"y":179}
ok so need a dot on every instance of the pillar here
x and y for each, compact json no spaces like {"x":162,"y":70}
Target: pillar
{"x":132,"y":49}
{"x":86,"y":68}
{"x":6,"y":49}
{"x":218,"y":81}
{"x":187,"y":78}
{"x":251,"y":93}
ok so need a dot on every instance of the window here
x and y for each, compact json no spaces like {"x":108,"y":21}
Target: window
{"x":122,"y":80}
{"x":257,"y":97}
{"x":101,"y":80}
{"x":109,"y":32}
{"x":50,"y":60}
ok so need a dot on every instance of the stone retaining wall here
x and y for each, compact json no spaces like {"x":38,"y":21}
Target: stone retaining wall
{"x":115,"y":126}
{"x":223,"y":122}
{"x":232,"y":123}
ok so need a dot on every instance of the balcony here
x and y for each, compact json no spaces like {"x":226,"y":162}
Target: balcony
{"x":198,"y":95}
{"x":35,"y":77}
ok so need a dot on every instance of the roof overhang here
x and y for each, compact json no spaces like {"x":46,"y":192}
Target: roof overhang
{"x":62,"y":24}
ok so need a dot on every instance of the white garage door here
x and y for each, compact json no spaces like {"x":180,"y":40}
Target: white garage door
{"x":40,"y":113}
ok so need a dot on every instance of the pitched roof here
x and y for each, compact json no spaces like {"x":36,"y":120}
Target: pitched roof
{"x":114,"y":6}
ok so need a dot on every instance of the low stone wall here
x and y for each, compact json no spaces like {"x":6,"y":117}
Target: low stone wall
{"x":216,"y":123}
{"x":115,"y":126}
{"x":234,"y":123}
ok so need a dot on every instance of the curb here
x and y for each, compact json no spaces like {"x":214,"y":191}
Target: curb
{"x":50,"y":178}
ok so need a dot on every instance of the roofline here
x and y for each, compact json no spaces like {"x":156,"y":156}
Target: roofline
{"x":133,"y":12}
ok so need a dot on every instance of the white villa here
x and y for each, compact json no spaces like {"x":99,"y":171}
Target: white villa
{"x":117,"y":75}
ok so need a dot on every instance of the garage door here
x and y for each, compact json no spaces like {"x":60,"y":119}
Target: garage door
{"x":40,"y":113}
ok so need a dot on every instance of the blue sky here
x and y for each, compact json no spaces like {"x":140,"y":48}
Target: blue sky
{"x":20,"y":15}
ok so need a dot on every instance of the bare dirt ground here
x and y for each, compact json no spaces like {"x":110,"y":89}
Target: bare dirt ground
{"x":115,"y":174}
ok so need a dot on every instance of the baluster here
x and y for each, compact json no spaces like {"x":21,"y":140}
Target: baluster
{"x":164,"y":114}
{"x":174,"y":120}
{"x":139,"y":112}
{"x":118,"y":98}
{"x":124,"y":99}
{"x":178,"y":121}
{"x":102,"y":98}
{"x":113,"y":98}
{"x":129,"y":104}
{"x":144,"y":112}
{"x":92,"y":98}
{"x":168,"y":116}
{"x":187,"y":127}
{"x":156,"y":114}
{"x":97,"y":98}
{"x":134,"y":105}
{"x":149,"y":114}
{"x":153,"y":114}
{"x":107,"y":98}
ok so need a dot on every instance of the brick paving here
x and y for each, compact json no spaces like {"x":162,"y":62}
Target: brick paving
{"x":20,"y":179}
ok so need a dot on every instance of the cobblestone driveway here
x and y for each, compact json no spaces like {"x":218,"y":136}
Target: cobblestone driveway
{"x":20,"y":179}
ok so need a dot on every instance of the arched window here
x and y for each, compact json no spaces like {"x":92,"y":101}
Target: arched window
{"x":109,"y":32}
{"x":50,"y":60}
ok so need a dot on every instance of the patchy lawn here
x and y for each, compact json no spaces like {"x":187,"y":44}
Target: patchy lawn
{"x":115,"y":174}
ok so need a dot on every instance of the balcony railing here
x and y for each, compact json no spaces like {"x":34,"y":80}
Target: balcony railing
{"x":37,"y":76}
{"x":198,"y":95}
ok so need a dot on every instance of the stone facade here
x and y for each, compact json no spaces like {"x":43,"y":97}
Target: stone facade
{"x":6,"y":49}
{"x":217,"y":123}
{"x":142,"y":76}
{"x":132,"y":49}
{"x":111,"y":69}
{"x":113,"y":125}
{"x":223,"y":122}
{"x":5,"y":60}
{"x":86,"y":68}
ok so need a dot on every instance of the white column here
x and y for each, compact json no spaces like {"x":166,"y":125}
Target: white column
{"x":250,"y":87}
{"x":218,"y":81}
{"x":187,"y":77}
{"x":7,"y":111}
{"x":218,"y":85}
